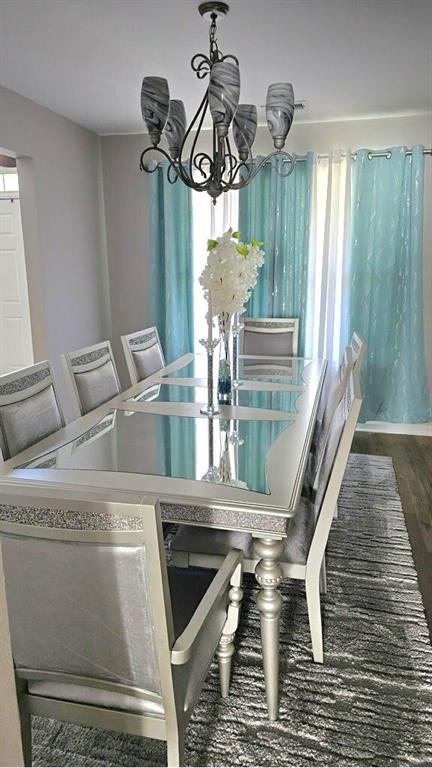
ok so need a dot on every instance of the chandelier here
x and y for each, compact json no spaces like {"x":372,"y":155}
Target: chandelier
{"x":221,"y":170}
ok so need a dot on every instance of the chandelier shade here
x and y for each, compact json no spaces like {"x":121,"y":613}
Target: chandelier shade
{"x":244,"y":128}
{"x":217,"y":170}
{"x":223,"y":94}
{"x":155,"y":98}
{"x":279,"y":111}
{"x":175,"y":127}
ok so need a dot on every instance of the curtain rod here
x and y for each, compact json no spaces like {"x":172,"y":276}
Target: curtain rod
{"x":302,"y":158}
{"x":387,"y":153}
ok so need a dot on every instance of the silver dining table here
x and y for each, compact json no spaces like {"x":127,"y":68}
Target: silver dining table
{"x":153,"y":438}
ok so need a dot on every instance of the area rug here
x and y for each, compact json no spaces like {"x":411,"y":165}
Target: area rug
{"x":370,"y":704}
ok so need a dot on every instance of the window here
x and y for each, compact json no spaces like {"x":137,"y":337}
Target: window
{"x":327,"y":255}
{"x":9,"y":182}
{"x":326,"y":315}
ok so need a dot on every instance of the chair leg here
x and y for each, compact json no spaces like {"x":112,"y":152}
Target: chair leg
{"x":224,"y":653}
{"x":323,"y":577}
{"x":335,"y":513}
{"x":314,"y":611}
{"x":225,"y":648}
{"x":175,"y":750}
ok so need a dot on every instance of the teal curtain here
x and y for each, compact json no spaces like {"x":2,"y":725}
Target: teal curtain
{"x":276,"y":210}
{"x":171,"y":263}
{"x":171,"y":306}
{"x":385,"y":278}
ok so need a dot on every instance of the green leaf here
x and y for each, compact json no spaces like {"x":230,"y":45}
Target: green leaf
{"x":211,"y":245}
{"x":243,"y":250}
{"x":236,"y":235}
{"x":257,"y":243}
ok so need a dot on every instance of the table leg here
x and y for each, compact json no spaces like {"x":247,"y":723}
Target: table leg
{"x":268,"y":573}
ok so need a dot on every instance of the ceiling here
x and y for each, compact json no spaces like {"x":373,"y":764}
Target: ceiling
{"x":347,"y":58}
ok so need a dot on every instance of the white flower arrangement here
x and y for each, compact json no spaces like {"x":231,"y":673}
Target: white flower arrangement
{"x":230,"y":274}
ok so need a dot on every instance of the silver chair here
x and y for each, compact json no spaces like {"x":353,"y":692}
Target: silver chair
{"x":270,"y":336}
{"x":303,"y":555}
{"x":29,"y":408}
{"x":358,"y":348}
{"x":143,"y":353}
{"x":92,"y":377}
{"x":336,"y":384}
{"x":104,"y":634}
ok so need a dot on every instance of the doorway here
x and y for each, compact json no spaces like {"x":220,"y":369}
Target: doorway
{"x":16,"y":348}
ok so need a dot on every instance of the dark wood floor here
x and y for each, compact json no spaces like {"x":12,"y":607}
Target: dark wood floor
{"x":412,"y":459}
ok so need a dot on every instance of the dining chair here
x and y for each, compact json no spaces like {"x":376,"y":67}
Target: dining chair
{"x":303,"y":555}
{"x":330,"y":399}
{"x":143,"y":353}
{"x":359,"y":349}
{"x":270,"y":336}
{"x":29,"y":408}
{"x":92,"y":377}
{"x":103,"y":634}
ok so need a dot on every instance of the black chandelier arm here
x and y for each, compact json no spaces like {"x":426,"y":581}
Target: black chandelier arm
{"x":204,"y":107}
{"x":203,"y":68}
{"x":247,"y":164}
{"x":143,"y":167}
{"x":241,"y":165}
{"x":199,"y":160}
{"x":230,"y":56}
{"x":232,"y":161}
{"x":254,"y":171}
{"x":188,"y":178}
{"x":219,"y":169}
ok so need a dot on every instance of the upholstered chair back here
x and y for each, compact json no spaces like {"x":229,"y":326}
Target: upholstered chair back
{"x":143,"y":353}
{"x":270,"y":336}
{"x":333,"y":397}
{"x":336,"y":451}
{"x":81,"y":601}
{"x":92,"y":376}
{"x":358,"y":349}
{"x":29,"y":408}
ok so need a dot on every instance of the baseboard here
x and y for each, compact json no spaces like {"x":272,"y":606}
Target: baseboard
{"x":396,"y":429}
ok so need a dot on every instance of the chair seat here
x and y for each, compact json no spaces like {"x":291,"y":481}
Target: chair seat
{"x":208,"y":541}
{"x":187,"y":588}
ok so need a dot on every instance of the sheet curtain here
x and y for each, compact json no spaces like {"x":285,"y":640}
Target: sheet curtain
{"x":385,"y":283}
{"x":277,"y":210}
{"x":172,"y":305}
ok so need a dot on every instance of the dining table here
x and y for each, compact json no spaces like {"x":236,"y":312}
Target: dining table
{"x":241,"y":469}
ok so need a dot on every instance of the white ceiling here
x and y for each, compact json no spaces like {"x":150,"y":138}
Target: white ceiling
{"x":347,"y":58}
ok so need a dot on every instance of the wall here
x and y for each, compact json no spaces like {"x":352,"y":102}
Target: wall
{"x":61,"y":194}
{"x":126,"y":214}
{"x":126,"y":198}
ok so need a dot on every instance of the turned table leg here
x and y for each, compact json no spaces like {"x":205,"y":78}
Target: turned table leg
{"x":268,"y":573}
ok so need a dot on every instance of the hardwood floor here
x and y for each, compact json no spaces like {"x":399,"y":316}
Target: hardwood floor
{"x":412,"y":459}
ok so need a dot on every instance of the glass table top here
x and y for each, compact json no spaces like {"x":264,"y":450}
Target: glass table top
{"x":270,"y":370}
{"x":171,"y":446}
{"x":174,"y":393}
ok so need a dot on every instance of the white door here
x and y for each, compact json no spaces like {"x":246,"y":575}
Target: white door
{"x":16,"y":349}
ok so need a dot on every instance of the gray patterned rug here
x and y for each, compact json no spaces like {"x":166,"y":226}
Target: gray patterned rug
{"x":370,"y":704}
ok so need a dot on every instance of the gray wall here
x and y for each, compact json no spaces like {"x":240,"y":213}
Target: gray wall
{"x":60,"y":177}
{"x":126,"y":215}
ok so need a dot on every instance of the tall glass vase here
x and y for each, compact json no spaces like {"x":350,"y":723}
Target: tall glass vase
{"x":225,"y":376}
